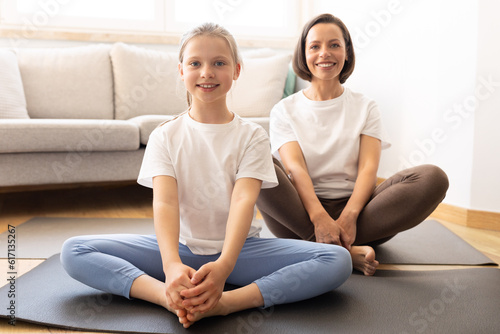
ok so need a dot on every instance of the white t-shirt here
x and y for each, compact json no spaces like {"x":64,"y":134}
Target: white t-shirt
{"x":328,"y":133}
{"x":206,"y":160}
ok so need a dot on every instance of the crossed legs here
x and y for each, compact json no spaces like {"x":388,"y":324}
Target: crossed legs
{"x":399,"y":203}
{"x":268,"y":271}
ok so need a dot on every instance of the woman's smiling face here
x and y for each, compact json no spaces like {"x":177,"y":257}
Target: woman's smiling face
{"x":325,"y":51}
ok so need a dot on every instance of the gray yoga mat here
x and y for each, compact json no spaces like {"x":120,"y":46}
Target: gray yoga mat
{"x":428,"y":243}
{"x":42,"y":237}
{"x":448,"y":301}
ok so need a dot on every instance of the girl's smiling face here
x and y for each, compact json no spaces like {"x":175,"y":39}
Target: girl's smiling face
{"x":208,"y":69}
{"x":325,"y":51}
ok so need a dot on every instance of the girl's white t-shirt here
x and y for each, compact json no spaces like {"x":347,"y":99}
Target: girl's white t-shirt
{"x":206,"y":160}
{"x":329,"y":134}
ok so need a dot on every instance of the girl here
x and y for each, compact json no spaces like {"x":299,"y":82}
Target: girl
{"x":329,"y":140}
{"x":206,"y":168}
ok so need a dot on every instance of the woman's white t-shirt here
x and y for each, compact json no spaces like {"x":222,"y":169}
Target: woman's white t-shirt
{"x":328,"y":133}
{"x":206,"y":160}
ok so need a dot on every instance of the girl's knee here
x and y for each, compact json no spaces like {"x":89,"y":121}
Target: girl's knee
{"x":71,"y":249}
{"x":339,"y":265}
{"x":344,"y":263}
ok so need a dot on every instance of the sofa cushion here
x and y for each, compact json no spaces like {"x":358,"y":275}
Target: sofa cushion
{"x":262,"y":121}
{"x":12,"y":99}
{"x":147,"y":123}
{"x":74,"y":82}
{"x":67,"y":135}
{"x":147,"y":82}
{"x":62,"y":167}
{"x":260,"y":86}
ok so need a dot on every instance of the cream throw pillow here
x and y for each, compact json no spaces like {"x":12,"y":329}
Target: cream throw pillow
{"x":260,"y":86}
{"x":146,"y":82}
{"x":12,"y":99}
{"x":71,"y":82}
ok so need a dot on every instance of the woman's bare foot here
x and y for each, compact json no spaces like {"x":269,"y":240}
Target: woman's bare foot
{"x":363,"y":259}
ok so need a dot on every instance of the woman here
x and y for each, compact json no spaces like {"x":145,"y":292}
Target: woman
{"x":329,"y":141}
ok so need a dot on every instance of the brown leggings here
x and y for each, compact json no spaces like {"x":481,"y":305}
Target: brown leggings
{"x":399,"y":203}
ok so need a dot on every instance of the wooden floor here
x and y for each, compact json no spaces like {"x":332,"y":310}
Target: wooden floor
{"x":133,"y":201}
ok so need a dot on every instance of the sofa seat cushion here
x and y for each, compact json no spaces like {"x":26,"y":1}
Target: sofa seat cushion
{"x":147,"y":123}
{"x":62,"y":167}
{"x":67,"y":135}
{"x":73,"y":82}
{"x":262,"y":121}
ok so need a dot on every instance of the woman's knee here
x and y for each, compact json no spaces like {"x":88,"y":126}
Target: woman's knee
{"x":436,"y":179}
{"x":439,"y":177}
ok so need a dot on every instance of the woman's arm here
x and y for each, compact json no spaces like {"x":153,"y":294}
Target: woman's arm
{"x":369,"y":158}
{"x":210,"y":278}
{"x":167,"y":227}
{"x":326,"y":230}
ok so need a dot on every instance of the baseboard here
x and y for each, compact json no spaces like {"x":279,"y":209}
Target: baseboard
{"x":451,"y":213}
{"x":467,"y":217}
{"x":61,"y":186}
{"x":484,"y":219}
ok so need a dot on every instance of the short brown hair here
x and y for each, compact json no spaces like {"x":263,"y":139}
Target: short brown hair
{"x":299,"y":57}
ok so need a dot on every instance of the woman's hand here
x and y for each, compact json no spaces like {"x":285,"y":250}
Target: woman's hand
{"x":209,"y":281}
{"x":328,"y":231}
{"x":177,"y":279}
{"x":348,"y":225}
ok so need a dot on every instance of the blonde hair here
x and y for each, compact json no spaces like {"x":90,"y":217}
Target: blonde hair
{"x":212,"y":30}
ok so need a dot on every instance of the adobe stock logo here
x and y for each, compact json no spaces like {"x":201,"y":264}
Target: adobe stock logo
{"x":454,"y":117}
{"x":422,"y":319}
{"x":224,"y":6}
{"x":47,"y":11}
{"x":381,"y":19}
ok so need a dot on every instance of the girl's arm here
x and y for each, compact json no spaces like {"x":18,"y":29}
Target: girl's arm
{"x":369,"y":157}
{"x":167,"y":227}
{"x":211,"y":277}
{"x":326,"y":230}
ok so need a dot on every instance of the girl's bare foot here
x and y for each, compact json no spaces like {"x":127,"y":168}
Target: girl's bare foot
{"x":219,"y":309}
{"x":181,"y":314}
{"x":236,"y":300}
{"x":363,"y":259}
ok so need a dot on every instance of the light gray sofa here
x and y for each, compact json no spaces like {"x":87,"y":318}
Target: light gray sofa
{"x":84,"y":114}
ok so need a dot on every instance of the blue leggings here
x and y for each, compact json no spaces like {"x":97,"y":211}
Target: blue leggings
{"x":285,"y":270}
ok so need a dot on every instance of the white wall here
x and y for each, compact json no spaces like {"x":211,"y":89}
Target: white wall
{"x":485,"y":189}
